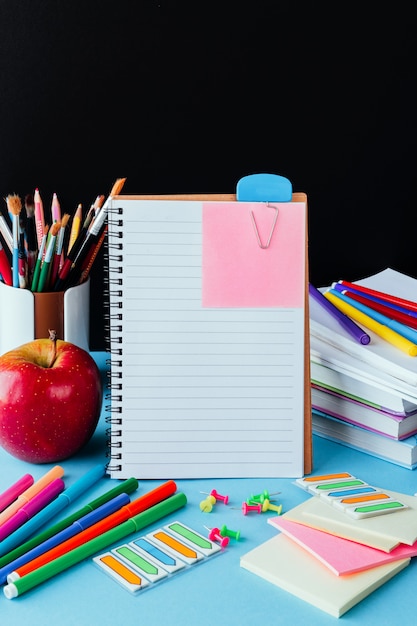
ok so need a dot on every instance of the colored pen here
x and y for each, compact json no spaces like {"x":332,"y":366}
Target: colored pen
{"x":115,"y":519}
{"x":406,"y":318}
{"x":64,"y":562}
{"x":127,"y":486}
{"x":382,"y":331}
{"x":63,"y":500}
{"x":5,"y":269}
{"x":33,"y":490}
{"x":401,"y":329}
{"x":387,"y":297}
{"x":353,"y":329}
{"x":78,"y":526}
{"x":10,"y":495}
{"x":28,"y":510}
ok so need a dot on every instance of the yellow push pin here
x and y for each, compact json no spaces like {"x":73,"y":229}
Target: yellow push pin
{"x":207,"y":505}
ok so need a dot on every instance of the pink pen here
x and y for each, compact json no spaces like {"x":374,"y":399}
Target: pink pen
{"x":38,"y":502}
{"x":10,"y":495}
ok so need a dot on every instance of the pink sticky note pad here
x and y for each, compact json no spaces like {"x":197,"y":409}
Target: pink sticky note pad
{"x":237,"y":272}
{"x":338,"y":554}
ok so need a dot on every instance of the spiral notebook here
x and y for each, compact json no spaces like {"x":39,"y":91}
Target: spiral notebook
{"x":208,"y":329}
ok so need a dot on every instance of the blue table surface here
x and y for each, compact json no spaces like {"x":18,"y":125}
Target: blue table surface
{"x":218,"y":590}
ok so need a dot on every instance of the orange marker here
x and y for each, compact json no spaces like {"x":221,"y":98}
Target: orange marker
{"x":118,"y":517}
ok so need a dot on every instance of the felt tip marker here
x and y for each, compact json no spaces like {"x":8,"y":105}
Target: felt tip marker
{"x":353,"y":329}
{"x":118,"y":517}
{"x":127,"y":486}
{"x":14,"y":491}
{"x":64,"y":562}
{"x":33,"y":490}
{"x":382,"y":331}
{"x":6,"y":572}
{"x":63,"y":500}
{"x":28,"y":510}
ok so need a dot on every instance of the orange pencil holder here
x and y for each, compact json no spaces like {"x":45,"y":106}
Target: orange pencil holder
{"x":25,"y":316}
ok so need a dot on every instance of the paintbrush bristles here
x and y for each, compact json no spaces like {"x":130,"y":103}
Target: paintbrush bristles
{"x":117,"y":187}
{"x":14,"y":204}
{"x":65,"y":220}
{"x":55,"y":228}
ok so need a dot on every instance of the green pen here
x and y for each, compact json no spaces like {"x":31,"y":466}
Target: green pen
{"x":127,"y":486}
{"x":67,"y":560}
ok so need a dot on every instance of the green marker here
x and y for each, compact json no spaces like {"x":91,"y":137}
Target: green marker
{"x":127,"y":486}
{"x":67,"y":560}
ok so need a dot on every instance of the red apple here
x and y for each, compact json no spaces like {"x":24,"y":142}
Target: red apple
{"x":50,"y":400}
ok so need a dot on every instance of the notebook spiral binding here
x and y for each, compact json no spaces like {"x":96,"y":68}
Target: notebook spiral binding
{"x":113,"y":322}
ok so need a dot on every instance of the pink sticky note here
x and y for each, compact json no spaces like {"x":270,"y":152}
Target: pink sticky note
{"x":341,"y":555}
{"x":237,"y":272}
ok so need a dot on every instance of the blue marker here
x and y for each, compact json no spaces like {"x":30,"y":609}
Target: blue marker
{"x":84,"y":522}
{"x":61,"y":502}
{"x":398,"y":327}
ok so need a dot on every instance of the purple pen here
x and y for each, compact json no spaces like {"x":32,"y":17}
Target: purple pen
{"x":349,"y":325}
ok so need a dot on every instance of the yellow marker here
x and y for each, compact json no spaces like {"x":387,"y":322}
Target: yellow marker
{"x":382,"y":331}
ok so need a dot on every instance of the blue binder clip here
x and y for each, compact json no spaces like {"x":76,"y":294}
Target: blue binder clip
{"x":264,"y":188}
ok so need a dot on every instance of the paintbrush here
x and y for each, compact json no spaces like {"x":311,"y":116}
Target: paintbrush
{"x":14,"y":206}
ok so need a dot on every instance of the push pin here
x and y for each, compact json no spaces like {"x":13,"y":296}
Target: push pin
{"x":265,"y":495}
{"x":267,"y":506}
{"x":226,"y":532}
{"x":214,"y":535}
{"x":207,"y":505}
{"x":246,"y":508}
{"x":217,"y":496}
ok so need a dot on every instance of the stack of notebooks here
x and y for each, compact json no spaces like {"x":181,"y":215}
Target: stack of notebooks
{"x":330,"y":558}
{"x":365,"y":395}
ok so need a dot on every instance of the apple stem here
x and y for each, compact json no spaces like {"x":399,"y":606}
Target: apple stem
{"x":53,"y":338}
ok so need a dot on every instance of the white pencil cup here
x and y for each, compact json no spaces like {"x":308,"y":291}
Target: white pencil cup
{"x":25,"y":316}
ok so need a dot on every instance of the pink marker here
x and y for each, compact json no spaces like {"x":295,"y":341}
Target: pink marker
{"x":28,"y":510}
{"x":14,"y":491}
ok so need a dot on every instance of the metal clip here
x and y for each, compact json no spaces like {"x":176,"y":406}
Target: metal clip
{"x":255,"y":227}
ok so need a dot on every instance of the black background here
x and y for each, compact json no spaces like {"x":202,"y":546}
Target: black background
{"x":191,"y":96}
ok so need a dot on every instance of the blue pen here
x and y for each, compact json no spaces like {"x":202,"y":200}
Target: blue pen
{"x":401,"y":329}
{"x":61,"y":502}
{"x":84,"y":522}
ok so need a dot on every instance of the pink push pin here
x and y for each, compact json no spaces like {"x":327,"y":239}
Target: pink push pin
{"x":216,"y":495}
{"x":214,"y":535}
{"x":246,"y":508}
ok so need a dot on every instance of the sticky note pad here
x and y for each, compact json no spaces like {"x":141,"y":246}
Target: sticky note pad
{"x":340,"y":555}
{"x":379,"y":532}
{"x":288,"y":566}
